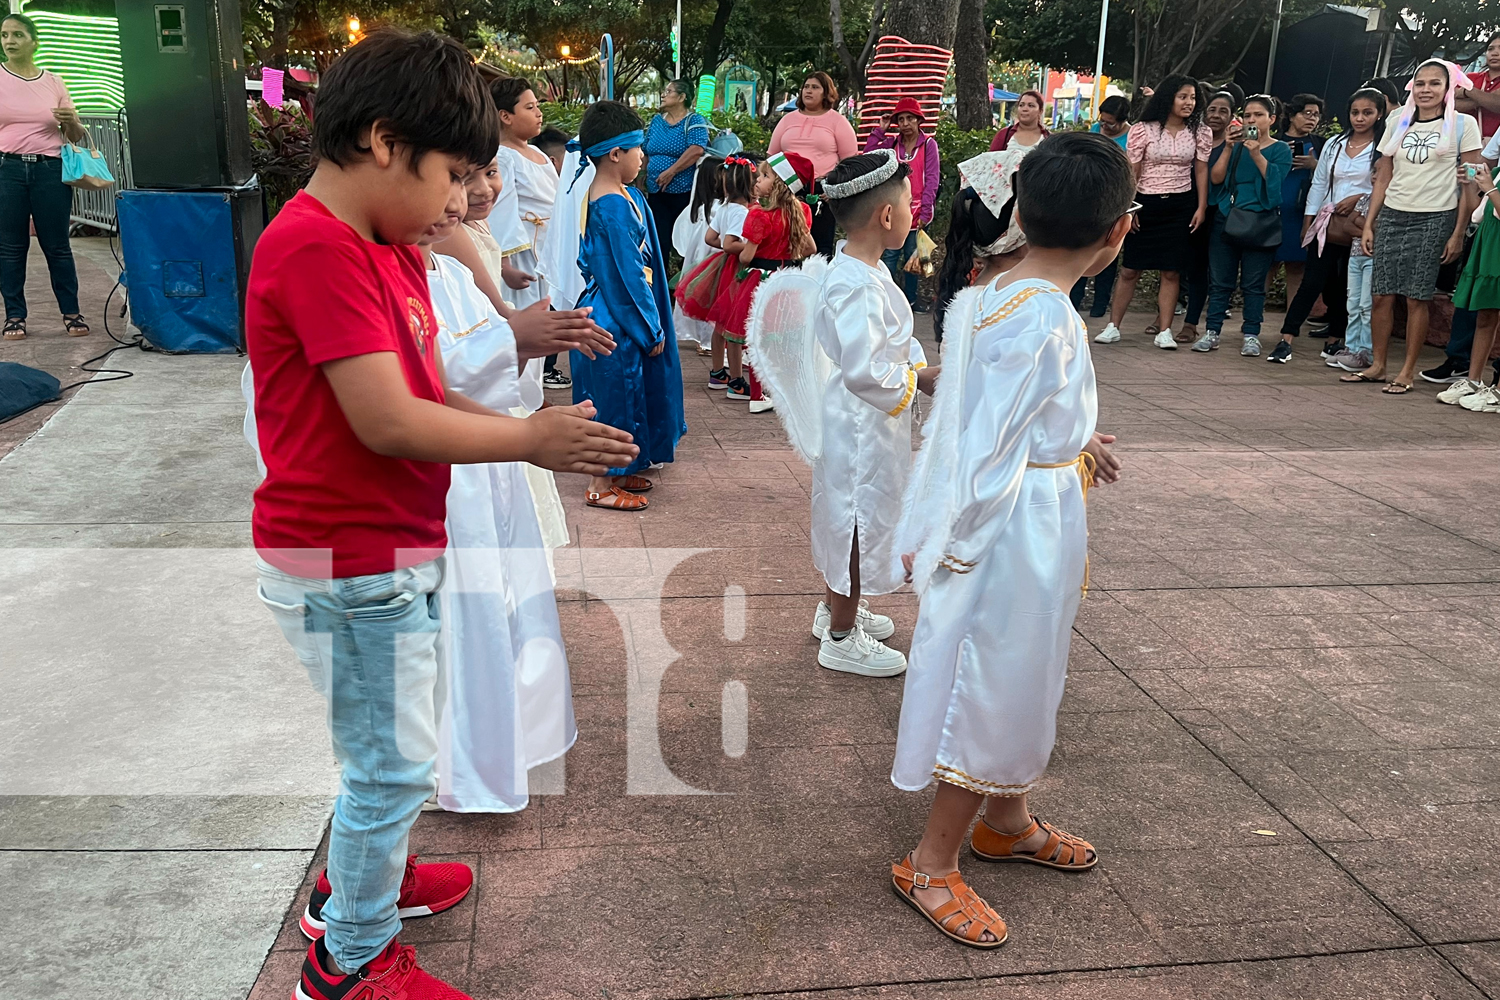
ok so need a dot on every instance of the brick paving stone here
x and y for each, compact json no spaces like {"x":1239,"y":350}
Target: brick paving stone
{"x":1295,"y":609}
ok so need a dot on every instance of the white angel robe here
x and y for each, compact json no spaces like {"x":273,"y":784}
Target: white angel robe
{"x":549,"y":506}
{"x":559,"y":257}
{"x":535,"y":189}
{"x":510,"y":703}
{"x":1002,"y":544}
{"x":864,"y":324}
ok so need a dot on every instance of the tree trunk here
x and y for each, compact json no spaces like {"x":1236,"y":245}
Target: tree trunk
{"x":713,"y":42}
{"x":925,"y":22}
{"x":971,"y":67}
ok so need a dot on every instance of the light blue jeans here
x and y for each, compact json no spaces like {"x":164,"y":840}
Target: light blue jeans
{"x":1361,"y":301}
{"x":369,"y":644}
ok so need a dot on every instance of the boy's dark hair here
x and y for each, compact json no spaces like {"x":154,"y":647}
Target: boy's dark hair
{"x":507,"y":91}
{"x":550,"y":138}
{"x":1071,"y":189}
{"x":1117,"y":105}
{"x":1387,"y":88}
{"x":855,"y":211}
{"x":423,"y":86}
{"x":605,"y":120}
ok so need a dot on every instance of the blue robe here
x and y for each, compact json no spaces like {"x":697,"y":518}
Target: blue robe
{"x":625,"y":279}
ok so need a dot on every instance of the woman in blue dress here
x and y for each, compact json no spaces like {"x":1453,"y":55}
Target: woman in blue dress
{"x":638,"y":388}
{"x":675,"y":142}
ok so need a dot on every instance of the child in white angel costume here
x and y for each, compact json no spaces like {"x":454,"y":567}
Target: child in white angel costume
{"x":863,"y":324}
{"x":996,"y":535}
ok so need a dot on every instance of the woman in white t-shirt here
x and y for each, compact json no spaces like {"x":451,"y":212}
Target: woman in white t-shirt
{"x":1417,"y":213}
{"x":36,"y":114}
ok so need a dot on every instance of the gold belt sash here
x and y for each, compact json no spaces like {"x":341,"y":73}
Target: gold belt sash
{"x":1086,"y":465}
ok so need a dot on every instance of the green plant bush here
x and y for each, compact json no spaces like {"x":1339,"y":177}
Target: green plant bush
{"x":280,"y":151}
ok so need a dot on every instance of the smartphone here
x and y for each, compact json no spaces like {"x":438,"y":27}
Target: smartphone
{"x":1471,"y":170}
{"x":1252,"y":132}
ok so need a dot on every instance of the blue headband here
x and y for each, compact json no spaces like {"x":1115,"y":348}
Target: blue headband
{"x":625,"y":140}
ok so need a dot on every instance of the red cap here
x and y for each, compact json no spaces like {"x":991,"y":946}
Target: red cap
{"x":907,"y":106}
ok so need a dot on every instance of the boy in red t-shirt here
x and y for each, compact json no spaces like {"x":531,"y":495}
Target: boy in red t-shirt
{"x":357,"y":430}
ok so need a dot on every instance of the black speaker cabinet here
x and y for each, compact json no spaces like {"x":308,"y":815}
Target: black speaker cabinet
{"x":185,"y":92}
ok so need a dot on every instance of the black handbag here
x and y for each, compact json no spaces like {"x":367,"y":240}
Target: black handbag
{"x":1248,"y":228}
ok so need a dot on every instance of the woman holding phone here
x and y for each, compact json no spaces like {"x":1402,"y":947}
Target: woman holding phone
{"x":36,"y":114}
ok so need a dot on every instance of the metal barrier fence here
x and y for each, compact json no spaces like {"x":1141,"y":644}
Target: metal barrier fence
{"x":112,"y":138}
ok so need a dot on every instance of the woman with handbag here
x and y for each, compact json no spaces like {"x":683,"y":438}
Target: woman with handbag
{"x":1417,"y":216}
{"x":36,"y":113}
{"x":1247,"y":229}
{"x":1330,"y":223}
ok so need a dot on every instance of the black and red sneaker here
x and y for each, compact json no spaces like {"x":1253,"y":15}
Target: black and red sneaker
{"x":425,"y":890}
{"x":393,"y":975}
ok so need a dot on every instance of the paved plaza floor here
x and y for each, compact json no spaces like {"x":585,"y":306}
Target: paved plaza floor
{"x":1281,"y":727}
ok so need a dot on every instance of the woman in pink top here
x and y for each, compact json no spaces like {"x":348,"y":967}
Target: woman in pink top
{"x":822,"y":135}
{"x":1169,"y":150}
{"x":35,"y":113}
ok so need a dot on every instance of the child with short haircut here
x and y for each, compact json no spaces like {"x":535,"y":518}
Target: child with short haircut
{"x":357,"y":430}
{"x":863,"y":323}
{"x":553,"y":142}
{"x":638,"y":388}
{"x":997,"y":536}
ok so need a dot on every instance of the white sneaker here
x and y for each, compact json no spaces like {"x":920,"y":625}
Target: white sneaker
{"x":859,"y":653}
{"x":1250,"y":347}
{"x":1486,"y":400}
{"x":1109,"y":335}
{"x":1458,"y":390}
{"x":1164,"y":340}
{"x":876,"y":626}
{"x":761,"y":405}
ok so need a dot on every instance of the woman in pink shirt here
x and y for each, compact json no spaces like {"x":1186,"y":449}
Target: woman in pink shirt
{"x":1169,"y":150}
{"x":35,"y":113}
{"x":822,"y":135}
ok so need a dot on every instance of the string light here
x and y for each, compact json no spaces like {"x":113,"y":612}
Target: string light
{"x":492,"y":54}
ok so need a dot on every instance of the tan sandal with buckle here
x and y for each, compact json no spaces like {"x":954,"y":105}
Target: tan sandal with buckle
{"x":964,"y":918}
{"x":1062,"y":851}
{"x":635,"y":484}
{"x":615,"y":498}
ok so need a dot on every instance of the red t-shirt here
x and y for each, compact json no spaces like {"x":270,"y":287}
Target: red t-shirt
{"x":319,"y":292}
{"x":1488,"y":120}
{"x":767,"y":229}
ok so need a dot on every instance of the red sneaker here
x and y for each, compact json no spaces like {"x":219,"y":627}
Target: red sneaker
{"x":425,"y":890}
{"x":393,"y":975}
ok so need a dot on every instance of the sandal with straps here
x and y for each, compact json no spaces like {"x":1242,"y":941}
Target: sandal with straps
{"x":964,"y":918}
{"x":635,"y":484}
{"x":75,"y":326}
{"x":615,"y":498}
{"x":15,"y":329}
{"x":1061,"y":850}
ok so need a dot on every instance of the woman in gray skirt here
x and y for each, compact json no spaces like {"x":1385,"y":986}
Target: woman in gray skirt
{"x":1417,"y":214}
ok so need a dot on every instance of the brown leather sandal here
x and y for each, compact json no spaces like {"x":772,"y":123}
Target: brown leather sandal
{"x":1152,"y":330}
{"x":964,"y":918}
{"x":615,"y":498}
{"x":1061,"y":850}
{"x":1186,"y":334}
{"x":635,"y":484}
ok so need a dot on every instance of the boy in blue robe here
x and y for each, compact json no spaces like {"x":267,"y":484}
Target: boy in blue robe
{"x":638,"y":388}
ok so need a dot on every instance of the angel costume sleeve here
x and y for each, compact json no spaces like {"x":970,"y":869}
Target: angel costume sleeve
{"x":559,"y":257}
{"x":864,"y":325}
{"x":505,"y":217}
{"x":509,"y":700}
{"x":998,"y":506}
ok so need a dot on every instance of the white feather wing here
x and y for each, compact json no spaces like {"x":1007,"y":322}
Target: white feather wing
{"x":784,"y":348}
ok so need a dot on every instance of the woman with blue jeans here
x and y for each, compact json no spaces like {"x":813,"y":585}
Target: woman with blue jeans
{"x":35,"y":114}
{"x":1247,"y":176}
